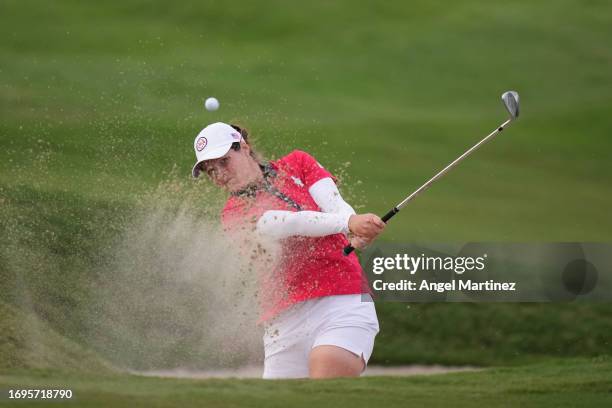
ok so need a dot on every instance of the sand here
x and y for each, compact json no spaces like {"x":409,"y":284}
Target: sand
{"x":256,"y":371}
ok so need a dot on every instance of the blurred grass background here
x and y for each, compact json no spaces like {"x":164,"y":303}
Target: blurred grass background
{"x":99,"y":103}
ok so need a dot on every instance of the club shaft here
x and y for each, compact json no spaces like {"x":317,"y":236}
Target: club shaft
{"x":348,"y":249}
{"x":452,"y":164}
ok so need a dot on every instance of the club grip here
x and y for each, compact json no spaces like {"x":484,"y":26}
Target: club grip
{"x":390,"y":214}
{"x":348,"y":249}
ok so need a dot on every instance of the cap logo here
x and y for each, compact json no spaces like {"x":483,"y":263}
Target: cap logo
{"x":201,"y":144}
{"x":236,"y":135}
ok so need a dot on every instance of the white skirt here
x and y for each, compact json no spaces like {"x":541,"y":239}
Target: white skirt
{"x":346,"y":321}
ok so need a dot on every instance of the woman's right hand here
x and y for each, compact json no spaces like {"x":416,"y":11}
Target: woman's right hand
{"x":359,"y":242}
{"x":366,"y":226}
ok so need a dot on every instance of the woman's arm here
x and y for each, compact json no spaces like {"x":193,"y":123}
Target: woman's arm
{"x":332,"y":220}
{"x":283,"y":224}
{"x":365,"y":227}
{"x":325,"y":193}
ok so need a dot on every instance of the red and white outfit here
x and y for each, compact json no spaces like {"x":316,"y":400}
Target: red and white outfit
{"x":315,"y":295}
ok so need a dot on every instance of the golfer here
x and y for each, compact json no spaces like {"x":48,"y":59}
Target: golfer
{"x":318,"y":316}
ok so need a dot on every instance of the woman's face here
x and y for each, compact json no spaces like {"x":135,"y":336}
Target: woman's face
{"x":234,"y":170}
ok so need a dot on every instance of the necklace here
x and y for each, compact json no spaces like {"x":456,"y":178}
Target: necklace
{"x":269,"y":173}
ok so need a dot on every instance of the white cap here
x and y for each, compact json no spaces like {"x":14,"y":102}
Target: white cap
{"x":213,"y":142}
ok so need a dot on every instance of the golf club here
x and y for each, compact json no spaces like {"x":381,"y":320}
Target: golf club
{"x":511,"y":102}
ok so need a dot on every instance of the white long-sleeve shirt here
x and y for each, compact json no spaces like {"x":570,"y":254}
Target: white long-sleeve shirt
{"x":333,"y":218}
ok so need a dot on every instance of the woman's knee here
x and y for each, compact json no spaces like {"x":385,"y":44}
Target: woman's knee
{"x":333,"y":361}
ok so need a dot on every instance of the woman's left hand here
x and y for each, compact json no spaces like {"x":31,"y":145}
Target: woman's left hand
{"x":367,"y":226}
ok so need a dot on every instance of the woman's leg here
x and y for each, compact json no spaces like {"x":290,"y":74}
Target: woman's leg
{"x":333,"y":361}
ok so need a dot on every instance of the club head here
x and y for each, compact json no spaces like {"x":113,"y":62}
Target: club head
{"x":511,"y":102}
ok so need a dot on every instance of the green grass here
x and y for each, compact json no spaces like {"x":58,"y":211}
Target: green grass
{"x":99,"y":104}
{"x":399,"y":90}
{"x":567,"y":383}
{"x":27,"y":342}
{"x":490,"y":334}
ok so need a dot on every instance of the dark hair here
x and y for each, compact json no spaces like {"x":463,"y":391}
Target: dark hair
{"x":245,"y":135}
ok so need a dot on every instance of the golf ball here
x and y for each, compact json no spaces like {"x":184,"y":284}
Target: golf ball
{"x":211,"y":104}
